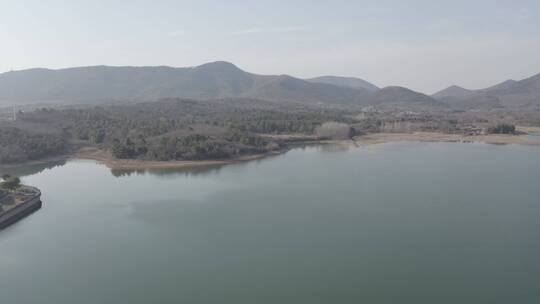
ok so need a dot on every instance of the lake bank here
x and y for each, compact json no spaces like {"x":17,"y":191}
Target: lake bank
{"x":497,"y":139}
{"x":293,"y":140}
{"x":106,"y":158}
{"x":111,"y":162}
{"x":19,"y":204}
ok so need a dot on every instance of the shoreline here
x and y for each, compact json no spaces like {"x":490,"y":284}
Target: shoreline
{"x":41,"y":161}
{"x":106,"y":158}
{"x":495,"y":139}
{"x":21,"y":209}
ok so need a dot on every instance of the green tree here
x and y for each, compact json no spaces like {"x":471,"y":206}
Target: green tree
{"x":502,"y":129}
{"x":10,"y":182}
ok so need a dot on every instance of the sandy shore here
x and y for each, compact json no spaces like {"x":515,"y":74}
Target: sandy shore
{"x":106,"y":158}
{"x":441,"y":137}
{"x":535,"y":130}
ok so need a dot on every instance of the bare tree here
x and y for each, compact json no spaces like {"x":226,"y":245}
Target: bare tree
{"x":334,"y":130}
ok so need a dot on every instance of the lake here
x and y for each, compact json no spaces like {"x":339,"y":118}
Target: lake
{"x":389,"y":223}
{"x":534,"y":136}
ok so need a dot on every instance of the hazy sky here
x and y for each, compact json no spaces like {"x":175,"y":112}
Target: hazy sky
{"x":424,"y":45}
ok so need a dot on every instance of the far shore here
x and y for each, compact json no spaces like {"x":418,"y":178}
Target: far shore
{"x":497,"y":139}
{"x":105,"y":157}
{"x":41,"y":161}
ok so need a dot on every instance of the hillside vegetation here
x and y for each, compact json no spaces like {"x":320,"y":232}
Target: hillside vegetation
{"x":172,"y":129}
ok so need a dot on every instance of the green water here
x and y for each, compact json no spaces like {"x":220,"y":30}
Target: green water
{"x":392,"y":223}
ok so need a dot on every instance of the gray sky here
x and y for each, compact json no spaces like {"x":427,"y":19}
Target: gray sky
{"x":424,"y":45}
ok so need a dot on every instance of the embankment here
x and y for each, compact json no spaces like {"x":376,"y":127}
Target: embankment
{"x":22,"y":210}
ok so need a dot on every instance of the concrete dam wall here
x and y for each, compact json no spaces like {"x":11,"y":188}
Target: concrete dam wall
{"x":22,"y":210}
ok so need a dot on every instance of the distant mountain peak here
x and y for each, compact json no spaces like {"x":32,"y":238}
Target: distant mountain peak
{"x":348,"y":82}
{"x":535,"y":77}
{"x":397,"y":89}
{"x":397,"y":94}
{"x":507,"y":84}
{"x":453,"y":91}
{"x":456,"y":87}
{"x":509,"y":81}
{"x":219,"y":65}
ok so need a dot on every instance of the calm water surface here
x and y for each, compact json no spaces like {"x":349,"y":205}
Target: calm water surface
{"x":392,"y":223}
{"x":534,"y":136}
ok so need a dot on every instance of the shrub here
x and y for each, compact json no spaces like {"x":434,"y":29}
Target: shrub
{"x":502,"y":129}
{"x":334,"y":130}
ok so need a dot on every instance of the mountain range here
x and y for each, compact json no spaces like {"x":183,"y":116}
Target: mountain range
{"x":223,"y":80}
{"x":508,"y":94}
{"x":208,"y":81}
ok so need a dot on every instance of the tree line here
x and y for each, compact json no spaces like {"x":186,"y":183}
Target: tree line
{"x":165,"y":130}
{"x":17,"y":145}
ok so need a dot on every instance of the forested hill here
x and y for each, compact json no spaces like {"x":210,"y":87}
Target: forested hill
{"x":208,"y":81}
{"x":169,"y":129}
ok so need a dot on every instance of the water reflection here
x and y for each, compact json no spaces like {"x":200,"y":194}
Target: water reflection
{"x":36,"y":168}
{"x":30,"y":169}
{"x":328,"y":147}
{"x":198,"y":171}
{"x":170,"y":172}
{"x":422,"y":220}
{"x":534,"y":136}
{"x":341,"y":147}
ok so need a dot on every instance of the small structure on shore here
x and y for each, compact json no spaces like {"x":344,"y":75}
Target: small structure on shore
{"x":16,"y":201}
